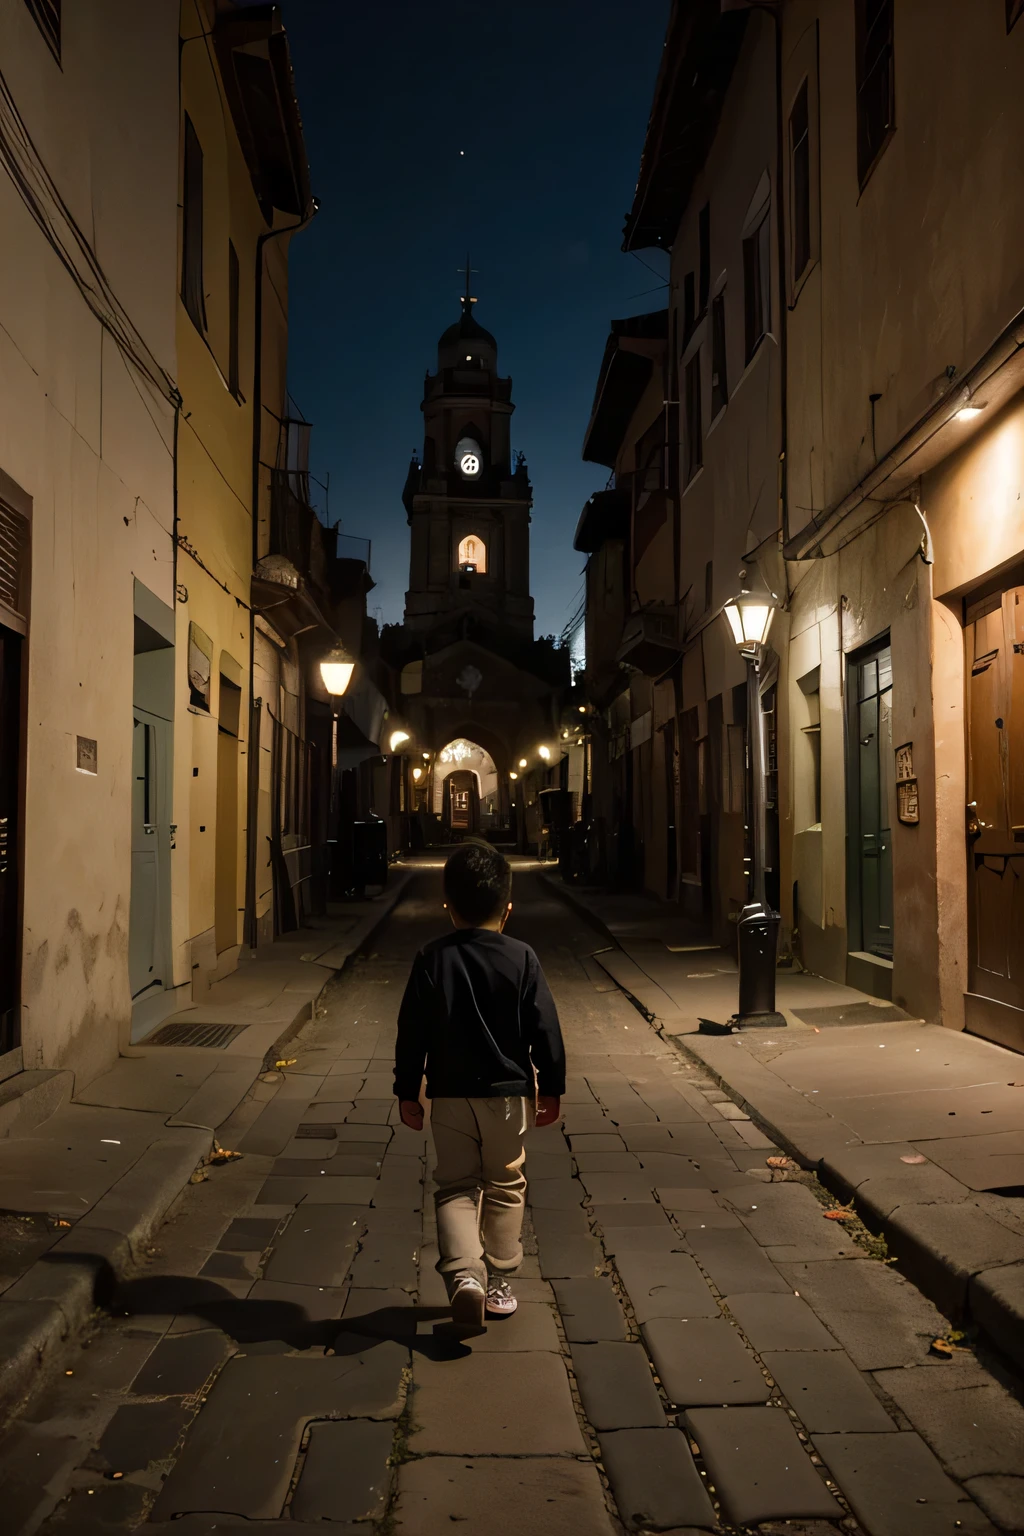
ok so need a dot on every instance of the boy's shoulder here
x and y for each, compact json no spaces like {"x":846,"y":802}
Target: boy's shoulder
{"x":487,"y":938}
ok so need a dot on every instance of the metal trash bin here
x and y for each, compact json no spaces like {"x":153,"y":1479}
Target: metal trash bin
{"x":758,"y":936}
{"x":369,"y":852}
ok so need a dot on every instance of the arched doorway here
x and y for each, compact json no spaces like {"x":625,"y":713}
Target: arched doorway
{"x":466,"y":793}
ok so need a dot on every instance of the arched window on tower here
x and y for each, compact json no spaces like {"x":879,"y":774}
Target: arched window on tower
{"x":473,"y":555}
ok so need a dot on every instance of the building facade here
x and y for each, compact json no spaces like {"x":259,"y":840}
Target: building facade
{"x":843,"y":388}
{"x":88,"y":196}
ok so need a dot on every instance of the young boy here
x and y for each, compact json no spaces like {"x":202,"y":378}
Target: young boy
{"x":479,"y":1015}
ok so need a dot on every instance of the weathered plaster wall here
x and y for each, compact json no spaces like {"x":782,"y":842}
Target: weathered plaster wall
{"x":90,"y":442}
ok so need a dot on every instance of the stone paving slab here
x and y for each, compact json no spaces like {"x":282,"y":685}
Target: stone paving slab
{"x":735,"y":1262}
{"x":553,"y":1222}
{"x":556,"y":1195}
{"x":828,"y":1392}
{"x":786,"y":1216}
{"x":248,"y":1234}
{"x":702,"y":1361}
{"x":531,"y":1327}
{"x":138,"y":1434}
{"x":345,"y":1475}
{"x":298,"y":1304}
{"x":544,"y":1495}
{"x":972,"y":1423}
{"x":656,"y":1485}
{"x":387,"y":1259}
{"x":631,"y":1213}
{"x":562,"y":1257}
{"x":182,"y":1364}
{"x":606,"y":1162}
{"x":779,"y":1322}
{"x":274,"y":1128}
{"x":642,"y":1239}
{"x":876,"y":1315}
{"x":240,"y":1454}
{"x":548,"y":1165}
{"x":595,"y":1141}
{"x":665,"y":1285}
{"x":997,"y":1301}
{"x":316,"y":1247}
{"x":941,"y":1246}
{"x":758,"y":1467}
{"x":590,"y":1310}
{"x":494,"y":1405}
{"x":616,"y":1386}
{"x":316,"y":1191}
{"x":896,"y":1486}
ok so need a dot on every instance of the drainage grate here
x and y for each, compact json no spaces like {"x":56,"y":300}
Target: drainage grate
{"x":216,"y":1036}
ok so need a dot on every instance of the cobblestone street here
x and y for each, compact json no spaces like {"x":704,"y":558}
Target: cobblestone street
{"x":696,"y":1347}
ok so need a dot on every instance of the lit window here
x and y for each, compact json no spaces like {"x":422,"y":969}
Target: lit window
{"x":473,"y":552}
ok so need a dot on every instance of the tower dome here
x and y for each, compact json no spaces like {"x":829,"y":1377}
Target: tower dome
{"x":467,"y":341}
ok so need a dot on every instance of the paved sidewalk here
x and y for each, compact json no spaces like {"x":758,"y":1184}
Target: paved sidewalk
{"x":82,"y":1190}
{"x":696,"y":1348}
{"x":921,"y":1126}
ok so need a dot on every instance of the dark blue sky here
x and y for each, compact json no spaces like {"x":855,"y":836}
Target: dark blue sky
{"x":549,"y":101}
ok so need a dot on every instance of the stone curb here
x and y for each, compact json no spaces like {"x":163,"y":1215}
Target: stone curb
{"x":54,"y":1299}
{"x":964,"y":1260}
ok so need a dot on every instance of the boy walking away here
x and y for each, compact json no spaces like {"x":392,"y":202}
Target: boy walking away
{"x":479,"y":1016}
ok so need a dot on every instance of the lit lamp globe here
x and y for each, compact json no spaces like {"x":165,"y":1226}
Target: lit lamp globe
{"x":544,"y":752}
{"x":522,"y":762}
{"x":336,"y":669}
{"x":750,"y":620}
{"x":417,"y":774}
{"x":396,"y":738}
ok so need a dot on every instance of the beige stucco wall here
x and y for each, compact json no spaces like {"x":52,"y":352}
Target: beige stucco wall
{"x":90,"y":442}
{"x":915,"y":274}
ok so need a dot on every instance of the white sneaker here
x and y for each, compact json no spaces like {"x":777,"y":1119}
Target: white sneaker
{"x":500,"y":1300}
{"x":467,"y":1303}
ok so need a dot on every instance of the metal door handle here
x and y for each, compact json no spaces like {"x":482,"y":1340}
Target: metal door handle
{"x":149,"y":827}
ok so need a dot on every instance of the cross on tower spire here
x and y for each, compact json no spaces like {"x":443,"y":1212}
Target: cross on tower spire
{"x":467,"y":301}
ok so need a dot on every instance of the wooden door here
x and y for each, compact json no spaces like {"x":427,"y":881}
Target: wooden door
{"x":10,"y":885}
{"x":995,"y":817}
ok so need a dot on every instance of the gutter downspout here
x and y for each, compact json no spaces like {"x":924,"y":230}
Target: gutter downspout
{"x":255,"y":705}
{"x":1007,"y":345}
{"x":780,"y":225}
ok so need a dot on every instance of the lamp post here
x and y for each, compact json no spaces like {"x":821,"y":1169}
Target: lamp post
{"x":749,"y":618}
{"x":336,"y":669}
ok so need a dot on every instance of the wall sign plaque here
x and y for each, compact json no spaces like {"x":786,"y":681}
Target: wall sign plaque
{"x":907,"y":807}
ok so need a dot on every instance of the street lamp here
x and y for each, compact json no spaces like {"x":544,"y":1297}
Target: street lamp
{"x":544,"y":752}
{"x":336,"y":669}
{"x":522,"y":762}
{"x":396,"y":739}
{"x":749,"y":617}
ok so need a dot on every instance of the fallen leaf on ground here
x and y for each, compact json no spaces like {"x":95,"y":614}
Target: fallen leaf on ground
{"x":914,"y":1158}
{"x":840,"y":1215}
{"x":941,"y":1348}
{"x":780,"y":1162}
{"x":222,"y":1155}
{"x":817,"y":1031}
{"x":199,"y":1177}
{"x":289,"y":1063}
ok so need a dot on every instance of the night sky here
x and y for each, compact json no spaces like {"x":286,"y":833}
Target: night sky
{"x":548,"y":99}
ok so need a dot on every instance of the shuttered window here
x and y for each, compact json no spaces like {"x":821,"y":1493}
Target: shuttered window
{"x":192,"y":294}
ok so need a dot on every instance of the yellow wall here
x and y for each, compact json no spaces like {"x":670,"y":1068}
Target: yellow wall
{"x":214,"y":509}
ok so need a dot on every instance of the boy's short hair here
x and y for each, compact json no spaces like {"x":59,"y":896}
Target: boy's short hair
{"x":477,"y":882}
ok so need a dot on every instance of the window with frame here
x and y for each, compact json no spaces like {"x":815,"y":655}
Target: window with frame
{"x":47,"y":18}
{"x":233,"y":308}
{"x":703,"y":258}
{"x":756,"y":285}
{"x":719,"y":375}
{"x":1014,"y":12}
{"x":689,"y":306}
{"x":800,"y":182}
{"x":876,"y":85}
{"x":192,"y":294}
{"x":694,"y":428}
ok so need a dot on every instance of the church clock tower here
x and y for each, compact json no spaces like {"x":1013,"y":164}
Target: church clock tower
{"x":467,"y":504}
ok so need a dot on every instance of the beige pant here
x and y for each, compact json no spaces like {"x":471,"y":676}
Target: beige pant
{"x":481,"y":1186}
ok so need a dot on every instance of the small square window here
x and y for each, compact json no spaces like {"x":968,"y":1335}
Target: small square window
{"x":876,"y":85}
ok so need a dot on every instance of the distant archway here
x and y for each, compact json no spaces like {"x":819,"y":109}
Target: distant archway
{"x":473,"y":551}
{"x":467,"y":757}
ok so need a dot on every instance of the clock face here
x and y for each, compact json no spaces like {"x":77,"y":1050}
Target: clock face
{"x":469,"y":458}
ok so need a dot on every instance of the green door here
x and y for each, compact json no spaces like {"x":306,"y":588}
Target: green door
{"x":871,"y":797}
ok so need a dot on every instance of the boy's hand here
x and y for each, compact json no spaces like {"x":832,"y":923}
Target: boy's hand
{"x":549,"y":1107}
{"x":411,"y":1111}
